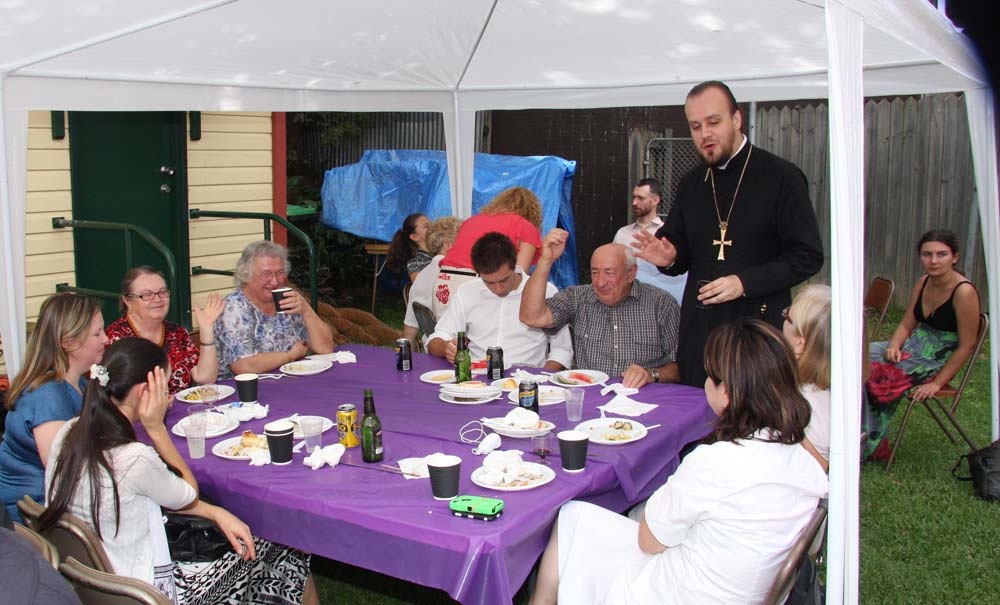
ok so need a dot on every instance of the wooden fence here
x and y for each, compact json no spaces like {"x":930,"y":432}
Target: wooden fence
{"x":918,"y":176}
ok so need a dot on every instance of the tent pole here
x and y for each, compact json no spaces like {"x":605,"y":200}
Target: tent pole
{"x":844,"y":34}
{"x":12,"y":321}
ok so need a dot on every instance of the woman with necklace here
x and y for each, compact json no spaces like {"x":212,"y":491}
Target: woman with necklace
{"x":932,"y":342}
{"x":145,"y":300}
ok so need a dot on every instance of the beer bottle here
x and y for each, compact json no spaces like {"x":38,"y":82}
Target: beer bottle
{"x":371,"y":431}
{"x":463,"y":360}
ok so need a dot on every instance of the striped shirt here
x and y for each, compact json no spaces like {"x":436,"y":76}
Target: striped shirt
{"x":642,"y":329}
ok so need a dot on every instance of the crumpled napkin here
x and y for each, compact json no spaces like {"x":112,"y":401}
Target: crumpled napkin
{"x":325,"y":455}
{"x":245,"y":412}
{"x":622,"y":405}
{"x":260,"y":458}
{"x":416,"y":468}
{"x":338,"y":356}
{"x":619,"y":389}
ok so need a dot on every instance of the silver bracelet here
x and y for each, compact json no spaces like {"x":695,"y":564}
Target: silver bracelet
{"x":208,"y":344}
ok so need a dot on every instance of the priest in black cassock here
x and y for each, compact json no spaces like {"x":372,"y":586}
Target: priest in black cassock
{"x":742,"y":225}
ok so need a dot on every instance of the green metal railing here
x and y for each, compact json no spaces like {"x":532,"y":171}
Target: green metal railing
{"x":127,"y":230}
{"x":267,"y":218}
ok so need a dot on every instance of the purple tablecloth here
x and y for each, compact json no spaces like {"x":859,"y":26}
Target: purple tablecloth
{"x":392,"y":525}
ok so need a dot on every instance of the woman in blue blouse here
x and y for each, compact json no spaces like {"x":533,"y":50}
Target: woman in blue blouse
{"x":68,"y":337}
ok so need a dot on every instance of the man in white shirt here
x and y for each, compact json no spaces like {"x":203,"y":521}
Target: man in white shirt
{"x":645,"y":201}
{"x":487,"y":309}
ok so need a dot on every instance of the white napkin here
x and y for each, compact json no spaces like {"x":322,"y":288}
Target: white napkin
{"x":325,"y":455}
{"x":245,"y":412}
{"x":339,"y":356}
{"x":619,"y":389}
{"x":260,"y":458}
{"x":624,"y":406}
{"x":416,"y":468}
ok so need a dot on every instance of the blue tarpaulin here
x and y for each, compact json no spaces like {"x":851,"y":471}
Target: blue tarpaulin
{"x":371,"y":198}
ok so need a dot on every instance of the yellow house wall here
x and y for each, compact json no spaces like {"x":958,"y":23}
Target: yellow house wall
{"x":229,"y":168}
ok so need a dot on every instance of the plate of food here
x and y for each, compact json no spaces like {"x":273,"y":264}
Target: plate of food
{"x":218,"y":424}
{"x":518,"y":423}
{"x":505,"y":471}
{"x":547,"y":395}
{"x":470,"y":388}
{"x":477,"y":399}
{"x":295,"y":420}
{"x":240,"y":448}
{"x":306,"y":367}
{"x":438,"y":376}
{"x":612,"y":431}
{"x":579,"y":378}
{"x":514,"y":380}
{"x":206,"y":393}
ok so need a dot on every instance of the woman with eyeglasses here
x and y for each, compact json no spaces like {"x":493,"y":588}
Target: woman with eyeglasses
{"x":807,"y":330}
{"x":48,"y":390}
{"x":145,"y":302}
{"x":253,"y":334}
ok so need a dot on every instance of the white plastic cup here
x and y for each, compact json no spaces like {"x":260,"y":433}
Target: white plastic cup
{"x":312,"y":431}
{"x":195,"y":429}
{"x":574,"y":404}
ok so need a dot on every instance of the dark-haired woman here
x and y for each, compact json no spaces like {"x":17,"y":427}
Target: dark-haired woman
{"x":721,"y":526}
{"x":408,"y":248}
{"x":930,"y":345}
{"x":145,"y":301}
{"x":47,"y":391}
{"x":117,"y":484}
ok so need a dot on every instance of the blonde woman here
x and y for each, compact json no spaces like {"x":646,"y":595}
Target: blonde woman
{"x":68,"y":337}
{"x":807,"y":330}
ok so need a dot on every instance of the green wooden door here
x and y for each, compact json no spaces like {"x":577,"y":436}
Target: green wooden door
{"x":129,"y":167}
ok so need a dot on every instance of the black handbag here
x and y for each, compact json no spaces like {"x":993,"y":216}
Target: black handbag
{"x":984,"y":471}
{"x":194,"y":539}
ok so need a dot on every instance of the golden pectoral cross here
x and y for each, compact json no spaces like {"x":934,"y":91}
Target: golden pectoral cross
{"x":722,"y":242}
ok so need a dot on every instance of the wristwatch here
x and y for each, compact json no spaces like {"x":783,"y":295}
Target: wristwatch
{"x":656,"y":374}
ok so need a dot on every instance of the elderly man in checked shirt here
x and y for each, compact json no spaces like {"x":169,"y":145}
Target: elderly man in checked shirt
{"x":620,"y":326}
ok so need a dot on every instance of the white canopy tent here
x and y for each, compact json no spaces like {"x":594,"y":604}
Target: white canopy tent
{"x":462,"y":56}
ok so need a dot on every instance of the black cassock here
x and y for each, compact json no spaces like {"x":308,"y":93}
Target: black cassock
{"x":774,"y":237}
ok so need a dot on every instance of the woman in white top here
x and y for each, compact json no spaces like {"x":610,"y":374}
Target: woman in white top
{"x":807,"y":329}
{"x":109,"y":479}
{"x":725,"y":520}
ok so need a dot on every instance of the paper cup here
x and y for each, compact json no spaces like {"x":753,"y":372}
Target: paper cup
{"x":279,"y":440}
{"x":278,"y":295}
{"x":573,"y":449}
{"x":246,"y":386}
{"x":444,"y":471}
{"x":574,"y":404}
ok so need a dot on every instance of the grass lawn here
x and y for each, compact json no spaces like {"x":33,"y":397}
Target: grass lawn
{"x":925,"y":538}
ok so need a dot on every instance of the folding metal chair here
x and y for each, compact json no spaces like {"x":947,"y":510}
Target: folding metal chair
{"x":44,"y":547}
{"x":877,"y":300}
{"x":100,"y":588}
{"x":807,"y":545}
{"x":946,"y":392}
{"x":71,"y":536}
{"x":425,"y":319}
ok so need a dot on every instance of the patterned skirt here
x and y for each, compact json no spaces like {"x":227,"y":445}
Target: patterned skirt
{"x":276,"y":577}
{"x":925,"y":352}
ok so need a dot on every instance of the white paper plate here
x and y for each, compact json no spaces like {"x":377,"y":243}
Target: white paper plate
{"x":219,"y":449}
{"x":563,"y":378}
{"x":223,"y":391}
{"x":601,"y":431}
{"x":327,"y":424}
{"x":306,"y":367}
{"x":497,"y":426}
{"x":547,"y":395}
{"x":510,"y":383}
{"x":459,"y":391}
{"x":438,"y":376}
{"x":448,"y":397}
{"x":218,"y":424}
{"x":547,"y":475}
